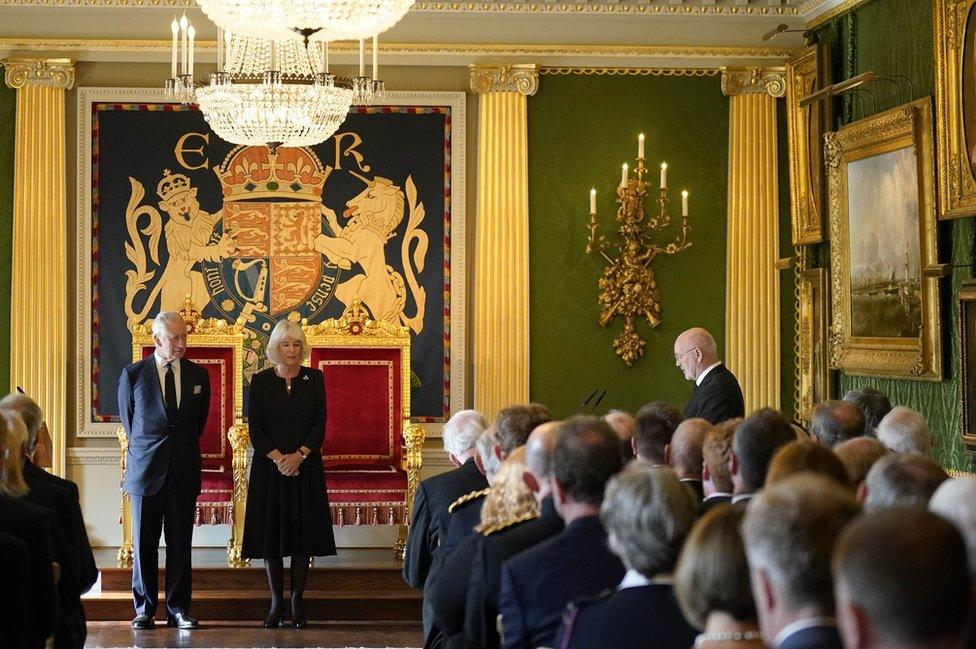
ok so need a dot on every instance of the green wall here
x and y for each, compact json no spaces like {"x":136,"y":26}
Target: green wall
{"x":7,"y":103}
{"x":895,"y":37}
{"x":581,"y":129}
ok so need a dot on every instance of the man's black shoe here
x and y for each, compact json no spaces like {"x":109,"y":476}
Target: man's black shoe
{"x":181,"y":621}
{"x":144,"y":622}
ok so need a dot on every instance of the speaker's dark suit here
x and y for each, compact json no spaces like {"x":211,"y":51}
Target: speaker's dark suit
{"x":718,"y":398}
{"x":162,"y":476}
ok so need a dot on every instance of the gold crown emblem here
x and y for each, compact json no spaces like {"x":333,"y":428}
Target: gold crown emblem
{"x":172,"y":184}
{"x":250,"y":172}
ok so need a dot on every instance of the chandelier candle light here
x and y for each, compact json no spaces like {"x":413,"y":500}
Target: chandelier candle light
{"x":627,"y":285}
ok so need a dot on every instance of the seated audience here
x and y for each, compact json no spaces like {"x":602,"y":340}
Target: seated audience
{"x":716,"y":456}
{"x":429,"y":519}
{"x":508,"y":499}
{"x":622,"y":423}
{"x":537,"y":584}
{"x":684,"y":454}
{"x":654,"y":425}
{"x":31,"y":525}
{"x":504,"y":542}
{"x":834,"y":422}
{"x":789,"y":531}
{"x":647,"y":514}
{"x":901,"y":479}
{"x":874,"y":404}
{"x":902,"y":581}
{"x":754,"y":443}
{"x":955,"y":500}
{"x":809,"y":456}
{"x":904,"y":430}
{"x":858,"y":455}
{"x":712,"y":582}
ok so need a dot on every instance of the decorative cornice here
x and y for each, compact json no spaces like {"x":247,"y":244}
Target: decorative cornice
{"x":523,"y":78}
{"x":629,"y":72}
{"x":59,"y":73}
{"x":830,"y":14}
{"x":754,"y":81}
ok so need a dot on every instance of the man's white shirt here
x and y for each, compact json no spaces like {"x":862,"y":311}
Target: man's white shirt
{"x":161,"y":371}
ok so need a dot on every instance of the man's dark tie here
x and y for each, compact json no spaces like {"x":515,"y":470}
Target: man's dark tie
{"x":169,"y":394}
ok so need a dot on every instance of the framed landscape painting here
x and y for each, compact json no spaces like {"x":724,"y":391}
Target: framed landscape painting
{"x":885,"y":317}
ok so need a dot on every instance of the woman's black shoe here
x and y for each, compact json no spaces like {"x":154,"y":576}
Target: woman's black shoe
{"x":274,"y":619}
{"x":298,"y":620}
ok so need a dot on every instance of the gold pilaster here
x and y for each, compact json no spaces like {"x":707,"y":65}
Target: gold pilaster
{"x":38,"y":332}
{"x":752,"y":339}
{"x":501,"y":293}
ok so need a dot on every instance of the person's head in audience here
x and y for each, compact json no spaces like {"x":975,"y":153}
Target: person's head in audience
{"x":30,"y":413}
{"x":754,"y":443}
{"x":874,"y":404}
{"x":834,"y":422}
{"x":460,"y":435}
{"x":901,"y":479}
{"x":712,"y":577}
{"x":585,"y":457}
{"x":514,"y":423}
{"x":902,"y":581}
{"x":538,"y":459}
{"x":622,"y":423}
{"x":858,"y":455}
{"x":684,"y":453}
{"x":13,"y":436}
{"x":797,"y":457}
{"x":489,"y":455}
{"x":955,"y":500}
{"x":904,"y":430}
{"x":694,"y":352}
{"x":509,"y":497}
{"x":790,"y":530}
{"x":654,"y":425}
{"x":647,"y":513}
{"x":716,"y":453}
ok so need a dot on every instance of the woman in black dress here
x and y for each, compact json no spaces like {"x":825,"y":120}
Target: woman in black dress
{"x":287,"y":507}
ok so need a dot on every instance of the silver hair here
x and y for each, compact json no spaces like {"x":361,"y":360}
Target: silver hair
{"x":462,"y":430}
{"x":955,"y":500}
{"x":486,"y":444}
{"x":163,"y":320}
{"x":647,"y":513}
{"x":902,"y":480}
{"x":904,"y":430}
{"x":29,"y":412}
{"x":285,"y":329}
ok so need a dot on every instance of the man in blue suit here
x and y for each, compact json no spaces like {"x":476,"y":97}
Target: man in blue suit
{"x":164,"y":400}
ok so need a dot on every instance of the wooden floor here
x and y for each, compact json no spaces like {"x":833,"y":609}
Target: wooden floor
{"x":355,"y":599}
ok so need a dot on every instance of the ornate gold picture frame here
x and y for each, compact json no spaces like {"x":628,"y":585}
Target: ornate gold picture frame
{"x":967,"y":363}
{"x":805,"y":126}
{"x":885,"y":318}
{"x":813,"y":375}
{"x":955,"y":106}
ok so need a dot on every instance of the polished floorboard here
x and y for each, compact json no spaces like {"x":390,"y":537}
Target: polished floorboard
{"x":103,"y":635}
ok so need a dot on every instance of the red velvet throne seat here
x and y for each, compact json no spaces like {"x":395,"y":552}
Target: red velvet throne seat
{"x":219,"y":348}
{"x":371,"y":452}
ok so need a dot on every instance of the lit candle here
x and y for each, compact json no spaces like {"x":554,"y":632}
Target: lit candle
{"x":593,"y":201}
{"x":220,"y":46}
{"x":325,"y":57}
{"x":191,"y":33}
{"x":664,"y":175}
{"x":226,"y":48}
{"x":376,"y":64}
{"x":684,"y":203}
{"x":184,"y":23}
{"x":175,"y":28}
{"x":362,"y":58}
{"x":623,"y":175}
{"x":640,"y":145}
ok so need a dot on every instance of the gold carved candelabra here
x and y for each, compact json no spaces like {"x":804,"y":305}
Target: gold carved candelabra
{"x":628,"y":288}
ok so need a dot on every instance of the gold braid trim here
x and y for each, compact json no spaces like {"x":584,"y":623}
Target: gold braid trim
{"x":468,"y":497}
{"x":527,"y":516}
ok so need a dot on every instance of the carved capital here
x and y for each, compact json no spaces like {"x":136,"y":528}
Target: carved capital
{"x":58,"y":73}
{"x":753,"y":81}
{"x":522,"y":78}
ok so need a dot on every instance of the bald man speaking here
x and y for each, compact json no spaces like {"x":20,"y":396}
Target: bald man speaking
{"x":716,"y":395}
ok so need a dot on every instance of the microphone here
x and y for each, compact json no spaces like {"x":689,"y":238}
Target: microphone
{"x":598,"y":400}
{"x":586,"y":401}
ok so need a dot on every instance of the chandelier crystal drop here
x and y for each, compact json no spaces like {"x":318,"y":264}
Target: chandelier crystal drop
{"x":320,"y":20}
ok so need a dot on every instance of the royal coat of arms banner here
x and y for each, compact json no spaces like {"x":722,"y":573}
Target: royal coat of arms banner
{"x":254,"y":236}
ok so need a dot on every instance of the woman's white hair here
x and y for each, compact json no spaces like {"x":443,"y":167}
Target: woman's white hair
{"x":285,"y":329}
